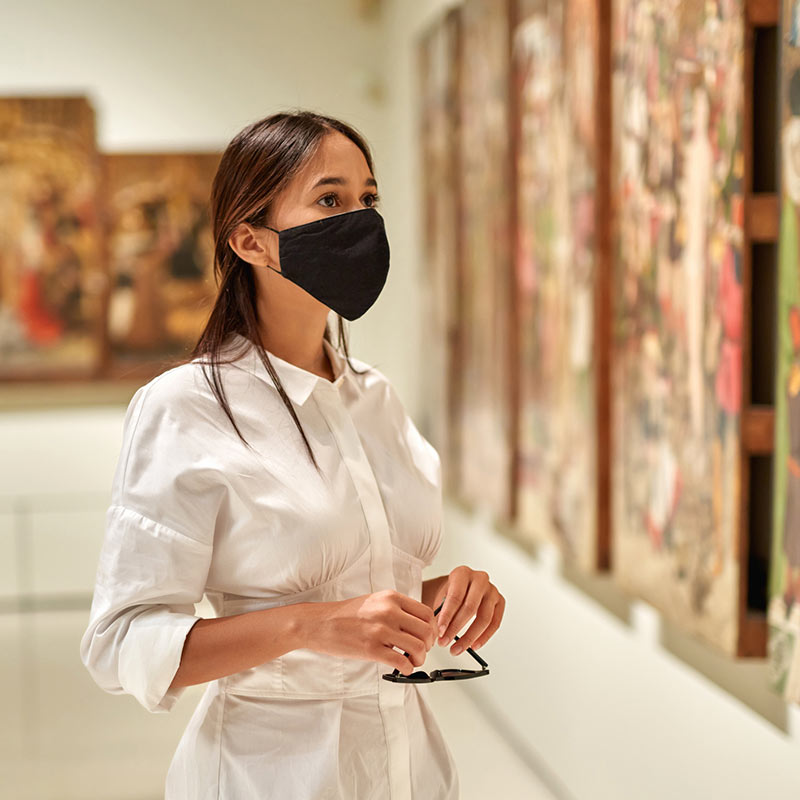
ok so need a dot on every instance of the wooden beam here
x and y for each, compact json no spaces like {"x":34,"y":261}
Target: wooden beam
{"x":752,"y":636}
{"x":758,"y":430}
{"x":603,"y":308}
{"x":762,"y":13}
{"x":763,"y":216}
{"x":514,"y":301}
{"x":757,"y":422}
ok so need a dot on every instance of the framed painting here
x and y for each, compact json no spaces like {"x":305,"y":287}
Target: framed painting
{"x":558,"y":272}
{"x":52,"y":269}
{"x":440,"y":277}
{"x":678,"y":316}
{"x":486,"y":424}
{"x":160,"y":250}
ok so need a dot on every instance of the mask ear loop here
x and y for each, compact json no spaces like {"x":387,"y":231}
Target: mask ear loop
{"x":267,"y":265}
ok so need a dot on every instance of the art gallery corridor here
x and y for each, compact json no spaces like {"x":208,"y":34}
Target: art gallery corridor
{"x":632,"y":662}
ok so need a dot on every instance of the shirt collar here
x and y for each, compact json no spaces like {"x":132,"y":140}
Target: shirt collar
{"x":298,"y":383}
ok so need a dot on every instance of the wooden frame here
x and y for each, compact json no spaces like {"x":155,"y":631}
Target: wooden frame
{"x":761,"y":215}
{"x":604,"y":221}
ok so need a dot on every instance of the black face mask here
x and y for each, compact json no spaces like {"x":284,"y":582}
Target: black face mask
{"x":342,"y":260}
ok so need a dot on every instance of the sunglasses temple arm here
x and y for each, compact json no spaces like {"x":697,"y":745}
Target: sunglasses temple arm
{"x":473,"y":653}
{"x":456,"y":638}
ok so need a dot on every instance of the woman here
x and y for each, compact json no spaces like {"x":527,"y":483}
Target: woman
{"x":307,"y":530}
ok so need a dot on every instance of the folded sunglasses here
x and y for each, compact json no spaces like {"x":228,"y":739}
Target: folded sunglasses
{"x":440,"y":674}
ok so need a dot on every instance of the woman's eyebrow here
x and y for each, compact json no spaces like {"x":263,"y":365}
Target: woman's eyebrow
{"x":329,"y":180}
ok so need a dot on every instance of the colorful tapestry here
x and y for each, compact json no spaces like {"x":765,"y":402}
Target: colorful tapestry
{"x":555,"y":71}
{"x":784,"y":588}
{"x":486,"y":184}
{"x":439,"y":273}
{"x":677,"y":378}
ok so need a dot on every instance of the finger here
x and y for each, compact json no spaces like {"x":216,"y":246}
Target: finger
{"x":408,"y":644}
{"x":424,"y":631}
{"x":416,"y":608}
{"x":395,"y":660}
{"x":482,"y":620}
{"x":469,"y":607}
{"x":418,"y":618}
{"x":458,"y":583}
{"x":497,"y":617}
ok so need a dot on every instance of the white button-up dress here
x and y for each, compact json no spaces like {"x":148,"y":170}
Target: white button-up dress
{"x":194,"y":512}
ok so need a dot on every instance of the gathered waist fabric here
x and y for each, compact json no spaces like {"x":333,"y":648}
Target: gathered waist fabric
{"x":305,"y":673}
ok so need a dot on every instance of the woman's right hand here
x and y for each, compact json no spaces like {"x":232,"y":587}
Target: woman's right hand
{"x":370,"y":626}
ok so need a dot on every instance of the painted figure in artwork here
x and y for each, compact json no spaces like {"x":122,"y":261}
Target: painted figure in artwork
{"x":728,"y":384}
{"x":50,"y":267}
{"x":666,"y":481}
{"x":147,"y":244}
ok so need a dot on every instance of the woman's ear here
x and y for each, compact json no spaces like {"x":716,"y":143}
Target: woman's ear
{"x":256,"y":246}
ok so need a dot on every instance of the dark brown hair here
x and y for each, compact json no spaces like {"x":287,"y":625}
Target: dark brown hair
{"x":257,"y":164}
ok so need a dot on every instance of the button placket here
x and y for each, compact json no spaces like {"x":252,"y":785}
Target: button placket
{"x":391,"y":696}
{"x":355,"y":458}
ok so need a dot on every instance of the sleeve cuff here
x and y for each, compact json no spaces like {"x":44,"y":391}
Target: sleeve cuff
{"x":151,"y":654}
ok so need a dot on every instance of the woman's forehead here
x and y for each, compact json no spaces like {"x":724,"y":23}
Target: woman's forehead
{"x":336,"y":157}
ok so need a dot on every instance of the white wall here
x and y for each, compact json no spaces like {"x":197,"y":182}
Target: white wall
{"x":55,"y":485}
{"x":597,"y":704}
{"x":185,"y":74}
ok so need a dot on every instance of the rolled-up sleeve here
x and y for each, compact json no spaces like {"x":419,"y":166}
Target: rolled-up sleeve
{"x":156,"y":551}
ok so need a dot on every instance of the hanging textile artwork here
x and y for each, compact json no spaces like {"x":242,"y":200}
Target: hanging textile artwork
{"x":677,"y":374}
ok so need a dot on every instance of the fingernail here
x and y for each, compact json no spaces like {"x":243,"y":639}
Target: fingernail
{"x":442,"y":629}
{"x":457,"y":650}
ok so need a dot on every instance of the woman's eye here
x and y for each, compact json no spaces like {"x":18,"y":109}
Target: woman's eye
{"x":369,"y":200}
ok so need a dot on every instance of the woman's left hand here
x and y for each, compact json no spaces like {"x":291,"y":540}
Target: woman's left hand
{"x":467,"y":593}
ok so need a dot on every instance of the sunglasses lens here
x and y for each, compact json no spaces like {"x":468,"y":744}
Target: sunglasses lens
{"x":414,"y":677}
{"x":459,"y":674}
